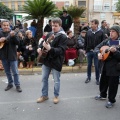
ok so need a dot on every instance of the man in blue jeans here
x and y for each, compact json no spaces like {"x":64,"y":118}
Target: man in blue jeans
{"x":93,"y":37}
{"x":54,"y":60}
{"x":8,"y":55}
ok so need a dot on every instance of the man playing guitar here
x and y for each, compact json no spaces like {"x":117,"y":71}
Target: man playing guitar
{"x":110,"y":72}
{"x":53,"y":61}
{"x":8,"y":55}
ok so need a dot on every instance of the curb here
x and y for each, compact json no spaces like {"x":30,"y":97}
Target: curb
{"x":38,"y":70}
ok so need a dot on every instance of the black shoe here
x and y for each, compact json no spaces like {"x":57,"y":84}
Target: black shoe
{"x":109,"y":105}
{"x":18,"y":89}
{"x":97,"y":83}
{"x":98,"y":97}
{"x":87,"y":80}
{"x":8,"y":87}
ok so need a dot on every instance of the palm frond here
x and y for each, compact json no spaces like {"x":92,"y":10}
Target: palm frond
{"x":76,"y":11}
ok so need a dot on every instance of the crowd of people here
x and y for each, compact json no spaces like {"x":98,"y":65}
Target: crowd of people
{"x":20,"y":46}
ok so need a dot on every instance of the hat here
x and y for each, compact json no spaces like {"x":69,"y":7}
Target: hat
{"x":116,"y":28}
{"x":83,"y":31}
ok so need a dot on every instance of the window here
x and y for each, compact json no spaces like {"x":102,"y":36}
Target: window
{"x":19,"y":5}
{"x":106,"y":6}
{"x":66,"y":4}
{"x":13,"y":5}
{"x":97,"y":4}
{"x":81,"y":3}
{"x":114,"y":5}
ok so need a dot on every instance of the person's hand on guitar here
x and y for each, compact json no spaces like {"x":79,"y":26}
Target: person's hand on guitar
{"x":2,"y":39}
{"x":113,"y":49}
{"x":46,"y":45}
{"x":100,"y":57}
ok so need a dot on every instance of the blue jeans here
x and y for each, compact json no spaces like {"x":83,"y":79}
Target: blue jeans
{"x":11,"y":66}
{"x":90,"y":56}
{"x":45,"y":75}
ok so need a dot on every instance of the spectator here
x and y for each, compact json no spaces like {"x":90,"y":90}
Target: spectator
{"x":30,"y":49}
{"x":80,"y":46}
{"x":25,"y":28}
{"x":104,"y":28}
{"x":48,"y":27}
{"x":18,"y":23}
{"x":93,"y":37}
{"x":71,"y":51}
{"x":33,"y":29}
{"x":66,"y":21}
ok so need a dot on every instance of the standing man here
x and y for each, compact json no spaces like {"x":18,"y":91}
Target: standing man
{"x":110,"y":68}
{"x":8,"y":55}
{"x":93,"y":37}
{"x":53,"y":61}
{"x":105,"y":29}
{"x":48,"y":27}
{"x":66,"y":21}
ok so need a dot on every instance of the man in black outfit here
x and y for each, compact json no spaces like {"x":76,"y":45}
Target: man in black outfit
{"x":110,"y":67}
{"x":48,"y":27}
{"x":94,"y":36}
{"x":66,"y":21}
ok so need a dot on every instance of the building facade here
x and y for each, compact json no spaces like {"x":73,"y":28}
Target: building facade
{"x":99,"y":9}
{"x":103,"y":10}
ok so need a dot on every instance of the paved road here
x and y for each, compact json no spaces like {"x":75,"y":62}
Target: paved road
{"x":76,"y":100}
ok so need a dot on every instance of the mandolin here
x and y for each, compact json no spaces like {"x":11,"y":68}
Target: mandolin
{"x":105,"y":51}
{"x":2,"y":43}
{"x":42,"y":56}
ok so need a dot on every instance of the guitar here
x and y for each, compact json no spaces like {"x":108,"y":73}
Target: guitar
{"x":105,"y":51}
{"x":41,"y":57}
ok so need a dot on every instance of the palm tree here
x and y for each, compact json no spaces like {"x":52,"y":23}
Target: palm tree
{"x":39,"y":9}
{"x":76,"y":13}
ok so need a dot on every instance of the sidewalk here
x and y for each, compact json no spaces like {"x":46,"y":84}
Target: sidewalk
{"x":65,"y":69}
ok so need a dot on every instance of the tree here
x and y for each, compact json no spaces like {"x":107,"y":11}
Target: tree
{"x":5,"y":12}
{"x":76,"y":13}
{"x":39,"y":9}
{"x":118,"y":6}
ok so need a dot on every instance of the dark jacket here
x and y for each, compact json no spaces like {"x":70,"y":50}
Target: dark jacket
{"x":48,"y":28}
{"x":71,"y":42}
{"x":92,"y":39}
{"x":55,"y":56}
{"x":80,"y":42}
{"x":9,"y":50}
{"x":110,"y":65}
{"x":28,"y":42}
{"x":66,"y":22}
{"x":106,"y":31}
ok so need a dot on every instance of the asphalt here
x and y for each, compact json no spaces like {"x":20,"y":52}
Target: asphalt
{"x":76,"y":100}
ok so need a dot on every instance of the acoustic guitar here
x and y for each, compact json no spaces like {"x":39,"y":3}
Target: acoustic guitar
{"x":105,"y":51}
{"x":42,"y":56}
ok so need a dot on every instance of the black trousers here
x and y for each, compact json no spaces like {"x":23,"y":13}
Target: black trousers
{"x":110,"y":84}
